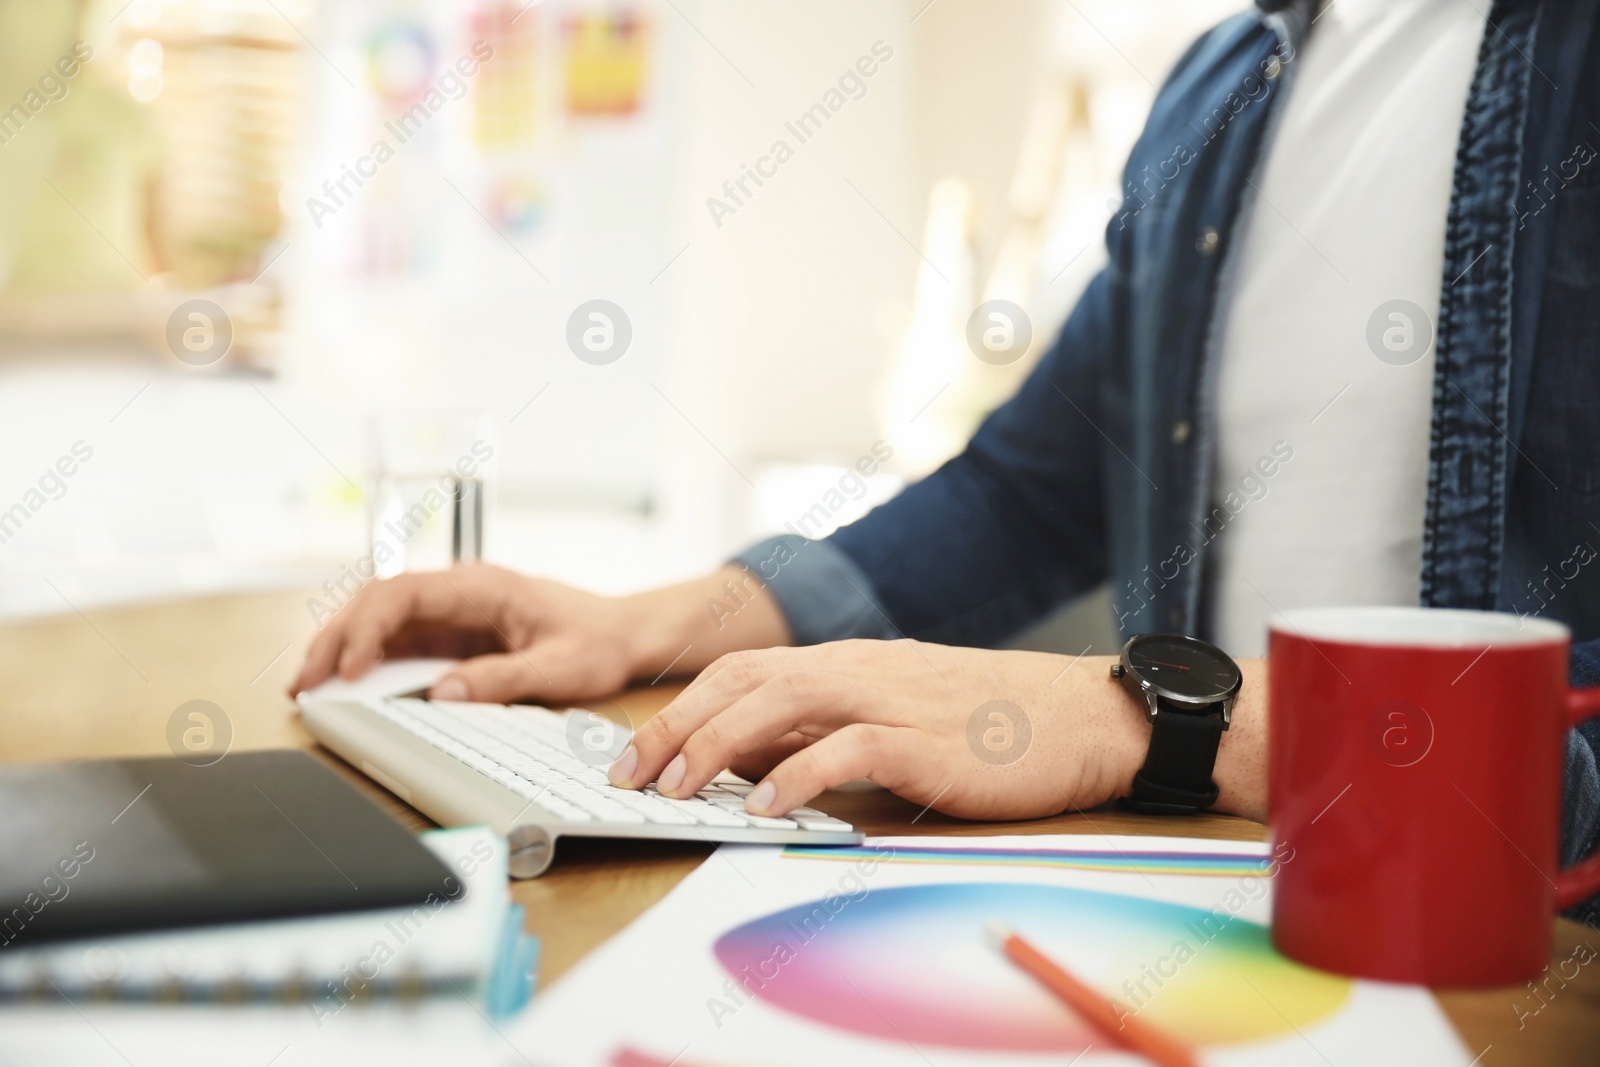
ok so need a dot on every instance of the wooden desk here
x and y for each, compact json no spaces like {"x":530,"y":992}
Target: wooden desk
{"x":105,"y":684}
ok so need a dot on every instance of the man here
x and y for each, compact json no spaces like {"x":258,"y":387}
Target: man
{"x":1353,"y":272}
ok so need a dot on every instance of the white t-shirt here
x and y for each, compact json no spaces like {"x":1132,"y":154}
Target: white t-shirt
{"x":1350,"y":216}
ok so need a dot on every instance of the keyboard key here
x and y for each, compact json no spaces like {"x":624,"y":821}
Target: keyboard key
{"x":527,"y":790}
{"x":562,"y":810}
{"x":568,"y":790}
{"x":662,"y":811}
{"x":610,"y":811}
{"x":714,"y":816}
{"x":527,"y":765}
{"x":668,"y":818}
{"x":526,"y":750}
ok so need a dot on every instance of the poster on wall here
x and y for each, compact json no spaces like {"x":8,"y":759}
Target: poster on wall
{"x":606,"y":61}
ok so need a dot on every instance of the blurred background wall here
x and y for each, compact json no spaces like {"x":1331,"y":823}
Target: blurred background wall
{"x":389,"y":211}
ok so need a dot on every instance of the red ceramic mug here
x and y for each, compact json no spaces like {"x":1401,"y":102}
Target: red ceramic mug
{"x":1416,"y":760}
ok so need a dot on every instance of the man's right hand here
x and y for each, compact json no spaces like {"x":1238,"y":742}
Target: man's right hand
{"x":521,"y":637}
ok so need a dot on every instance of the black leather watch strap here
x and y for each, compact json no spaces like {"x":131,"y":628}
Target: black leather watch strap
{"x":1176,"y":776}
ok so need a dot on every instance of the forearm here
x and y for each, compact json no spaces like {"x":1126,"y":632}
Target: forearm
{"x":682,"y":629}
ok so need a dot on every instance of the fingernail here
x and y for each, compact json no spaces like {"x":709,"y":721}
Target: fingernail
{"x":759,"y":802}
{"x":672,"y":776}
{"x":449,"y":688}
{"x":621,"y":772}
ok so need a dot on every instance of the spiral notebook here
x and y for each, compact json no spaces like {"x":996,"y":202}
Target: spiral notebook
{"x":470,"y":944}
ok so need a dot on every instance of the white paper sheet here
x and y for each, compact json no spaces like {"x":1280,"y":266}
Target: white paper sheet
{"x":886,"y":963}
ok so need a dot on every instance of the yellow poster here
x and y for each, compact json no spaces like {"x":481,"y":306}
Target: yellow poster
{"x":607,"y":56}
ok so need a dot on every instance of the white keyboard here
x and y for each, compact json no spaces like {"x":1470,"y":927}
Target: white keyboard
{"x":537,"y":775}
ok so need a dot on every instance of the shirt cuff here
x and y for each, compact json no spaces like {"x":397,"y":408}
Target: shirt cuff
{"x":820,"y":590}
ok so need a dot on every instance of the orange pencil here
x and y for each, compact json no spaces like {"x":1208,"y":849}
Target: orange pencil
{"x":1121,"y":1028}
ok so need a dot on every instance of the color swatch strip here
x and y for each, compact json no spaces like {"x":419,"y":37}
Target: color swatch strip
{"x":1218,"y":864}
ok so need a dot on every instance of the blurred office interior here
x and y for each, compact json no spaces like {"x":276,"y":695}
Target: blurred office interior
{"x":535,"y":157}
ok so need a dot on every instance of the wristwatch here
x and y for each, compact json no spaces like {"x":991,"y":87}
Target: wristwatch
{"x":1188,"y":687}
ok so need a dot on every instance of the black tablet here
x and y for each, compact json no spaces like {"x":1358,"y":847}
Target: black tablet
{"x":115,"y":846}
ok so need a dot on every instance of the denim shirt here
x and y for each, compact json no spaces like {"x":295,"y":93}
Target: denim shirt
{"x":1099,"y":468}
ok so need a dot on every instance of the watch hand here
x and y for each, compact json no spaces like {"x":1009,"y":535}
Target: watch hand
{"x":1174,"y":666}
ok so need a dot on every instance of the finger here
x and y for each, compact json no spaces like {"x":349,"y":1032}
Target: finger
{"x":459,"y":599}
{"x":812,"y":702}
{"x":756,"y":765}
{"x":377,"y":612}
{"x":494,"y":679}
{"x":443,"y":642}
{"x":722,"y":684}
{"x":321,"y":658}
{"x":327,"y":646}
{"x":732,"y":666}
{"x":355,"y":638}
{"x":895,"y":757}
{"x":657,"y":741}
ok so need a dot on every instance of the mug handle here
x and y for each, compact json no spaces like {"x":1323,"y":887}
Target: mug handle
{"x":1582,"y":881}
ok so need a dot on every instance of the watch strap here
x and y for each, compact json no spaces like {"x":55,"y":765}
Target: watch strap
{"x":1176,"y":776}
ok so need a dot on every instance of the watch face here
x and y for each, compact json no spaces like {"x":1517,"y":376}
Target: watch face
{"x":1182,"y":666}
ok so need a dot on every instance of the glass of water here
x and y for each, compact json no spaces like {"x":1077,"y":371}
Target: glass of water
{"x":427,"y":478}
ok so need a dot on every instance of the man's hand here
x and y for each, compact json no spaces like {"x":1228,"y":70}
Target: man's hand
{"x":527,"y":637}
{"x":532,"y":638}
{"x":972,"y":733}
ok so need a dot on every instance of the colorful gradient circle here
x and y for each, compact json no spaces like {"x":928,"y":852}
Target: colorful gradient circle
{"x":914,"y":963}
{"x":401,"y":59}
{"x":518,"y":204}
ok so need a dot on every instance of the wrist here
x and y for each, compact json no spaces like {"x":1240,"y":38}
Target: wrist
{"x":655,"y":628}
{"x":1241,"y":771}
{"x":1242,"y":757}
{"x":682,"y":629}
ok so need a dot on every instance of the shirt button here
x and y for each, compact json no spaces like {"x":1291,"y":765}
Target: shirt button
{"x":1274,"y":68}
{"x":1180,"y":431}
{"x":1207,"y":242}
{"x":1179,"y":617}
